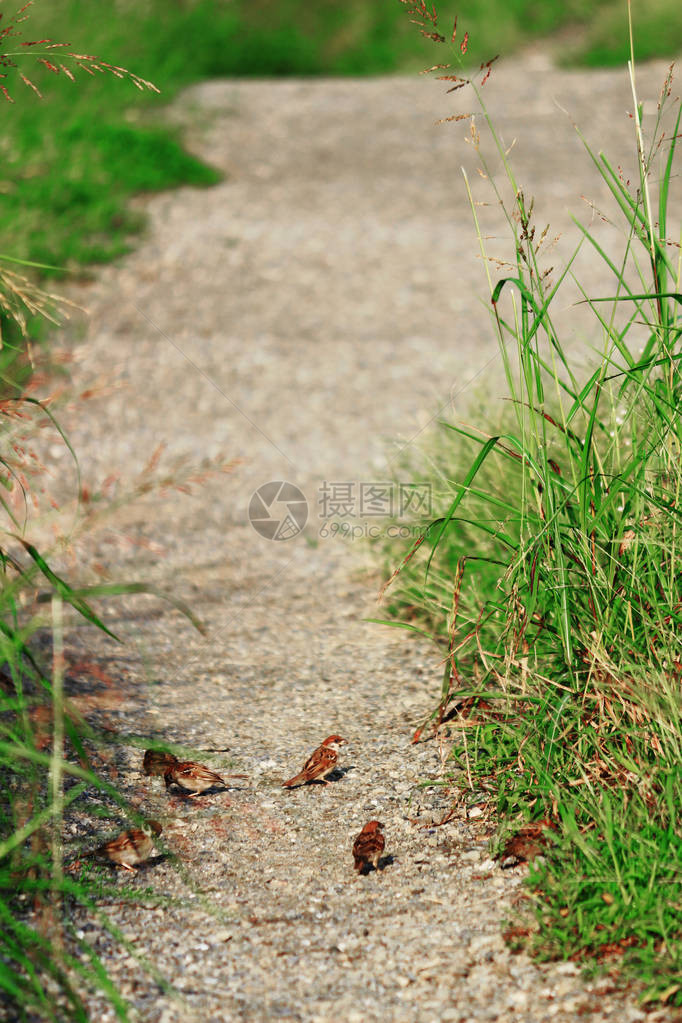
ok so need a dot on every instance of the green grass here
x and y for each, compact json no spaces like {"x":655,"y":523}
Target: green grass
{"x":658,"y":33}
{"x":51,"y":767}
{"x":41,"y":784}
{"x":552,"y":581}
{"x":80,"y":215}
{"x":72,"y":160}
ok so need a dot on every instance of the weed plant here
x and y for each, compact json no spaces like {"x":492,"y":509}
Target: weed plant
{"x":563,"y":664}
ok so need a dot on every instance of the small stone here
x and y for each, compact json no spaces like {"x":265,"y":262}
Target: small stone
{"x":567,"y":968}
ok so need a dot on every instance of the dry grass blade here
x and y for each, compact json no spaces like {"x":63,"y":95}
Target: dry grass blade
{"x":21,"y":298}
{"x":11,"y":35}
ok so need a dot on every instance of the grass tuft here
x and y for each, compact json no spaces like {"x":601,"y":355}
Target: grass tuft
{"x":553,"y":579}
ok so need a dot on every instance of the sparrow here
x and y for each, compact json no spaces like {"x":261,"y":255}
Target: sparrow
{"x":529,"y":842}
{"x":368,"y":847}
{"x":319,"y":764}
{"x":131,"y":847}
{"x":156,"y":761}
{"x":193,"y":778}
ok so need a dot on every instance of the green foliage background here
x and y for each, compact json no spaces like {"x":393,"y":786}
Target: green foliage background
{"x":69,"y":162}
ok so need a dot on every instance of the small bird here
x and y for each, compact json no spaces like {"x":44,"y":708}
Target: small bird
{"x":131,"y":847}
{"x":368,"y":847}
{"x":529,"y":842}
{"x":319,"y":764}
{"x":193,"y":778}
{"x":156,"y":761}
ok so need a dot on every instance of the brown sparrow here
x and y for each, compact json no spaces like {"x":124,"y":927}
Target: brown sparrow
{"x":193,"y":778}
{"x":368,"y":847}
{"x":319,"y":764}
{"x":131,"y":847}
{"x":156,"y":761}
{"x":529,"y":842}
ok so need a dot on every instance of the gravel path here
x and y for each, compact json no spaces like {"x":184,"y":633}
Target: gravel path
{"x":319,"y":306}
